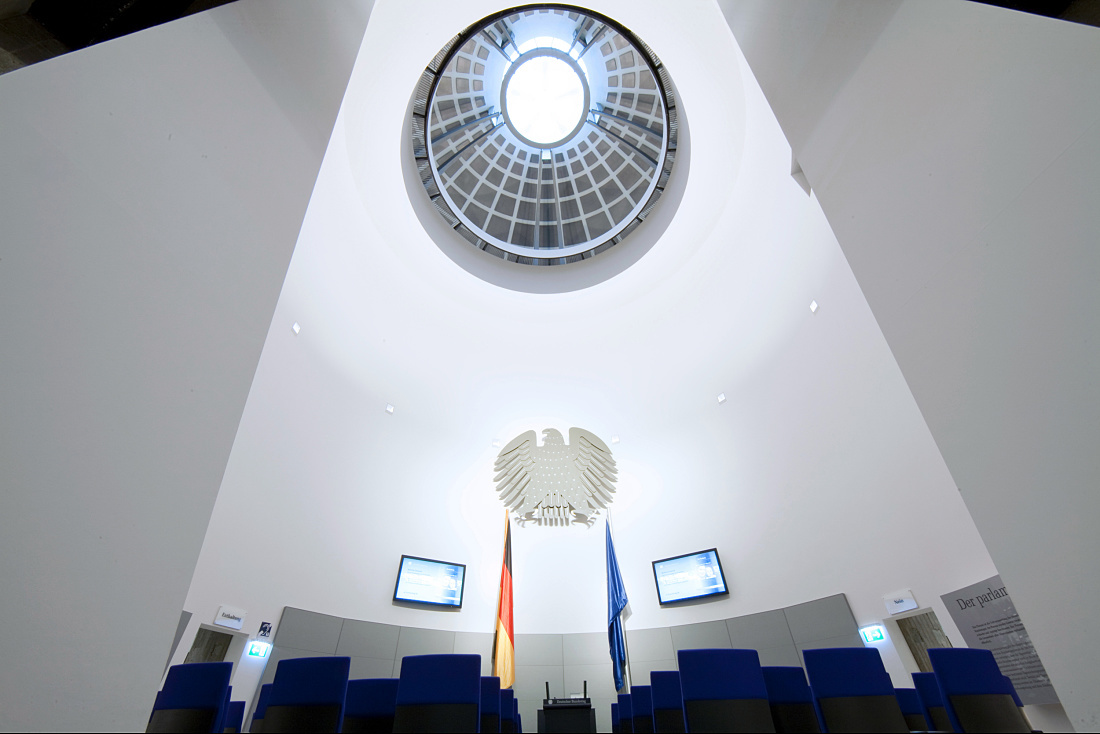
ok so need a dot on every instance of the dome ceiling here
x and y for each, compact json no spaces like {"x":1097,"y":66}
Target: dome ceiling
{"x":559,"y":198}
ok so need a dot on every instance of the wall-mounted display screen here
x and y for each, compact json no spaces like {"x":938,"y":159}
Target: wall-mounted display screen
{"x":689,"y":577}
{"x":425,"y":581}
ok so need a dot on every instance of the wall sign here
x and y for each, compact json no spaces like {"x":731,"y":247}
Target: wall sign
{"x":987,"y":619}
{"x":265,"y":629}
{"x":900,"y":601}
{"x":230,"y":617}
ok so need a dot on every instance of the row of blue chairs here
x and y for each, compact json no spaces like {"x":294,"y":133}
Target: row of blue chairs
{"x":435,"y":693}
{"x":848,"y":690}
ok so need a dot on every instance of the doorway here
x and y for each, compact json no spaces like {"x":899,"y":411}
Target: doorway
{"x":921,"y":632}
{"x":210,"y":646}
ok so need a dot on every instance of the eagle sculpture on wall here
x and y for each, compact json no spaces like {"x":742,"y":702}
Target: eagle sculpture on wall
{"x":556,"y":483}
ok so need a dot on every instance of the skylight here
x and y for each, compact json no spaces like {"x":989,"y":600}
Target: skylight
{"x":545,"y":99}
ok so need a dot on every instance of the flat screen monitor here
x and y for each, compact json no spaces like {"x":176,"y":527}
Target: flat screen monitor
{"x":689,"y":576}
{"x":424,"y":581}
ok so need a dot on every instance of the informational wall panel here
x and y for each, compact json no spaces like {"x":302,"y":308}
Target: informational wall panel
{"x":987,"y":618}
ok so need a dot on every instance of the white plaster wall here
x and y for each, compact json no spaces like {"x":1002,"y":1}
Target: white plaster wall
{"x":956,"y":148}
{"x":817,"y":476}
{"x":150,"y":195}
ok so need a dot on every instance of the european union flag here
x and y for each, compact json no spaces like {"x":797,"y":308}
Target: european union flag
{"x":616,"y":602}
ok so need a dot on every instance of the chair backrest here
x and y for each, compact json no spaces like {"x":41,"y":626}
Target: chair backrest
{"x":257,"y":724}
{"x":641,"y":705}
{"x":519,"y":723}
{"x":912,"y":708}
{"x":234,"y":717}
{"x":853,"y":690}
{"x":308,"y":695}
{"x":790,"y":699}
{"x":193,"y":698}
{"x":507,"y":711}
{"x":724,"y":691}
{"x":370,"y":705}
{"x":929,"y":690}
{"x":668,"y":701}
{"x":626,"y":714}
{"x":490,"y":704}
{"x":615,"y":718}
{"x":439,"y":693}
{"x":975,"y":693}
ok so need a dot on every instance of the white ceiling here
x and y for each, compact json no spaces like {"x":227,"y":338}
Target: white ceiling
{"x":804,"y":479}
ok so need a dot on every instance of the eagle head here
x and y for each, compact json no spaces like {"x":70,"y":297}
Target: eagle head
{"x":552,"y":437}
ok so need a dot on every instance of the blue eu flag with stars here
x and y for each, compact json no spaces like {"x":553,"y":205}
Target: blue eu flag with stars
{"x":616,"y":602}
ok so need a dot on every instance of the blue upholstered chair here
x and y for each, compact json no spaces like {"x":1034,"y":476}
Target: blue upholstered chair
{"x":234,"y":717}
{"x":641,"y":705}
{"x":853,"y":690}
{"x":193,"y":699}
{"x":790,"y":699}
{"x":668,"y":702}
{"x":370,"y":705}
{"x":257,"y":724}
{"x":975,"y":693}
{"x":912,"y":708}
{"x":929,"y":690}
{"x":519,"y":722}
{"x":490,"y":705}
{"x":439,"y":693}
{"x":507,"y":711}
{"x":626,"y":714}
{"x":615,"y":718}
{"x":307,"y":695}
{"x":724,"y":691}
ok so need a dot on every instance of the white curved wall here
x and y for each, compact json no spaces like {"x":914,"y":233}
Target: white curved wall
{"x":817,"y":476}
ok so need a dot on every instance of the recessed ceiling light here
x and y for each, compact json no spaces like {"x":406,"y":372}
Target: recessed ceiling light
{"x":813,"y":306}
{"x":496,"y":443}
{"x":721,"y":398}
{"x":614,"y":439}
{"x":295,"y":328}
{"x":389,"y":408}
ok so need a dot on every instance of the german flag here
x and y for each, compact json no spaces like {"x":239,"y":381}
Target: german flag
{"x":504,"y":650}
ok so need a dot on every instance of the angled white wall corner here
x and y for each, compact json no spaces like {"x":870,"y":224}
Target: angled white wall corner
{"x":955,"y":149}
{"x":152,"y":193}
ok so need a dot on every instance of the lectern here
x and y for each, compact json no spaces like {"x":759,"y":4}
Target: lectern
{"x":567,"y":714}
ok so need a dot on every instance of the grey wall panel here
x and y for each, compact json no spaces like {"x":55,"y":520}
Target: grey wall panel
{"x":362,"y":667}
{"x":601,"y":681}
{"x":759,"y":631}
{"x":539,"y":650}
{"x":700,"y":635}
{"x":285,"y":653}
{"x":368,"y":639}
{"x":821,"y":619}
{"x":185,"y":617}
{"x":308,"y":631}
{"x":476,"y":643}
{"x":650,"y":644}
{"x":786,"y":655}
{"x":640,"y":669}
{"x":586,"y":648}
{"x":416,"y":641}
{"x":603,"y":713}
{"x":531,"y":681}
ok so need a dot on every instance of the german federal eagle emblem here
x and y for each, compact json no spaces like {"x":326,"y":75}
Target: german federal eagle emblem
{"x":556,"y":483}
